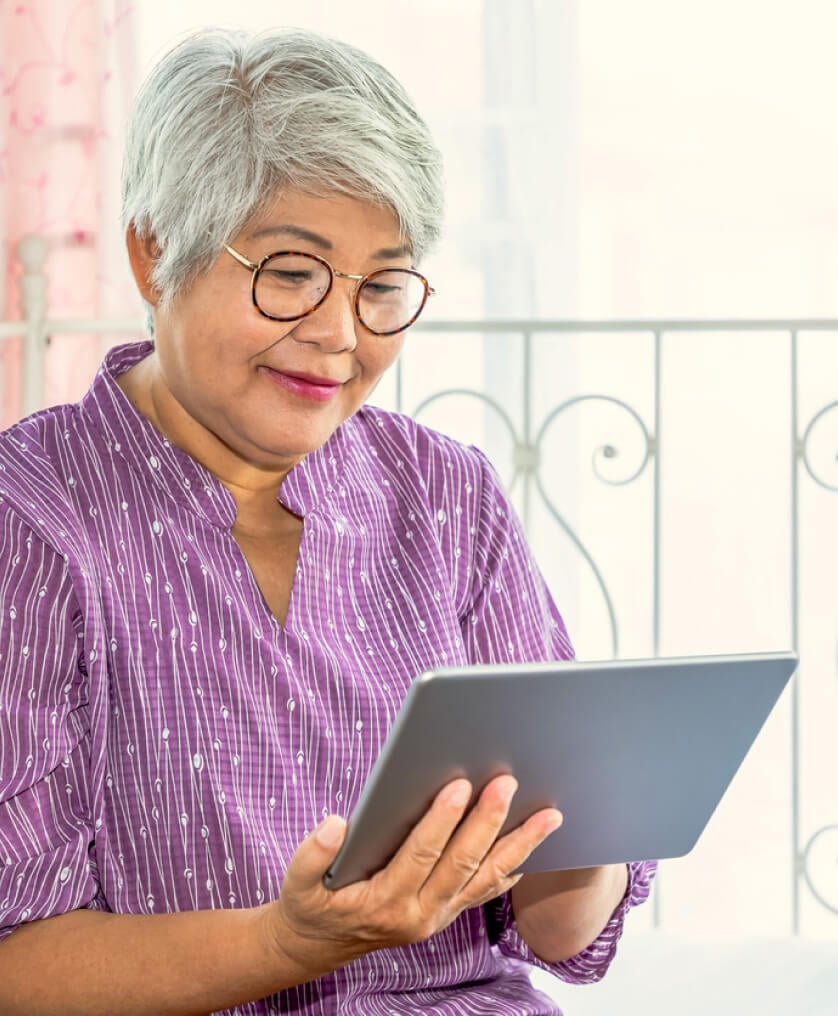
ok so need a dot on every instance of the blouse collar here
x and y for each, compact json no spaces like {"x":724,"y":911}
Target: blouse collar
{"x":170,"y":470}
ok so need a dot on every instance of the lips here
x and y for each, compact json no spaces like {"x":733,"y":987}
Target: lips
{"x":312,"y":379}
{"x":313,"y":387}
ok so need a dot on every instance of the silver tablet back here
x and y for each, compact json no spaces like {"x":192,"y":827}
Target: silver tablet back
{"x":635,"y":753}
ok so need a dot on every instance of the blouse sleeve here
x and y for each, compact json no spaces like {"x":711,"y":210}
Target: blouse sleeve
{"x":512,"y":618}
{"x":47,"y":864}
{"x":592,"y":963}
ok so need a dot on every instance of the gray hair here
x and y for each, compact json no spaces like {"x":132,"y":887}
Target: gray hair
{"x":227,"y":120}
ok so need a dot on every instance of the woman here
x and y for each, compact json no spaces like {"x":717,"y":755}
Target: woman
{"x":223,"y":572}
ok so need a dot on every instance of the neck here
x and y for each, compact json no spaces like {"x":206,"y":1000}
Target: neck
{"x":254,"y":485}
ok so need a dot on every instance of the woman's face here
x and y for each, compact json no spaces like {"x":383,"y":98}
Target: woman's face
{"x":246,"y":380}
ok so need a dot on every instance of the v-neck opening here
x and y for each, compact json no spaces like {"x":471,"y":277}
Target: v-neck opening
{"x":258,"y":593}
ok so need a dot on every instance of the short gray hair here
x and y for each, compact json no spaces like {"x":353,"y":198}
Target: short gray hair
{"x":226,"y":120}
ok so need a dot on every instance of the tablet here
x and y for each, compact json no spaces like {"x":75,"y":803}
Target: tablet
{"x":635,"y":753}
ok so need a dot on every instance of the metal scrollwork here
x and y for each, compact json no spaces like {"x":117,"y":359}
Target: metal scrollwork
{"x":495,"y":406}
{"x":810,"y":854}
{"x":606,"y":451}
{"x":804,"y":448}
{"x":527,"y":462}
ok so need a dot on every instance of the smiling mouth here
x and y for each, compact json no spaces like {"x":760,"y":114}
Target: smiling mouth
{"x":311,"y":379}
{"x":305,"y":386}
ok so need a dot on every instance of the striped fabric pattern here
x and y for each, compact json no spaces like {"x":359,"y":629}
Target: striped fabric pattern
{"x":165,"y":744}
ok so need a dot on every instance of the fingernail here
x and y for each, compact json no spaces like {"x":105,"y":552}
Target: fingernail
{"x":460,"y":794}
{"x":330,"y":832}
{"x":510,"y":787}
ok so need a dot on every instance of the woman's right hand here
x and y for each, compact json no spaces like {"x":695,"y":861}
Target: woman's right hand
{"x":442,"y":868}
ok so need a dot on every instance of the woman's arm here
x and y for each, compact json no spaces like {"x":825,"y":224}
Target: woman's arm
{"x":93,"y":963}
{"x":560,"y":913}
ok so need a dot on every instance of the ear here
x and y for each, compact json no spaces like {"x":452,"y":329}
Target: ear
{"x":142,"y":255}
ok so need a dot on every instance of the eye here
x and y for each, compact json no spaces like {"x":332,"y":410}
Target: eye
{"x":287,"y":276}
{"x":377,"y":290}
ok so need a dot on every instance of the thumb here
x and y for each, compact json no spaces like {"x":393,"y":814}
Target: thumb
{"x":330,"y":834}
{"x":317,"y":851}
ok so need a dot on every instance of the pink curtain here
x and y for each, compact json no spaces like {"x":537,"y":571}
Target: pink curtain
{"x":67,"y":74}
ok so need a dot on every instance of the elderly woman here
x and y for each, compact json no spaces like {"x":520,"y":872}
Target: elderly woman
{"x":221,"y":572}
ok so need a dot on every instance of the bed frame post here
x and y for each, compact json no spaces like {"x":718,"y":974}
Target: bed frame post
{"x":32,"y":251}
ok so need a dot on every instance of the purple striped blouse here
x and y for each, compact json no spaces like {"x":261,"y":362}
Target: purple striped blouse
{"x":165,"y":744}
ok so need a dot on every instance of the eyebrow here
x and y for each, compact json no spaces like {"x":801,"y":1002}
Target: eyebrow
{"x":300,"y":233}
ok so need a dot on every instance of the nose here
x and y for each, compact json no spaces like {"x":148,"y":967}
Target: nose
{"x":333,"y":325}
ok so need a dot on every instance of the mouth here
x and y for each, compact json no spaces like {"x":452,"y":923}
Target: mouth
{"x":306,"y":386}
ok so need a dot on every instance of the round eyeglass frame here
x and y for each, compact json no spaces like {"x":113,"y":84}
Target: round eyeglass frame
{"x":256,"y":267}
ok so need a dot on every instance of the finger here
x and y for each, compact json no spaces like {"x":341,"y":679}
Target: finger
{"x":473,"y":840}
{"x":425,"y":843}
{"x":315,"y":854}
{"x":499,"y":870}
{"x":495,"y":890}
{"x":515,"y":847}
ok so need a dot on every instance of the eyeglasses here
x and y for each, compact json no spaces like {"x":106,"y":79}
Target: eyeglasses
{"x":288,"y":285}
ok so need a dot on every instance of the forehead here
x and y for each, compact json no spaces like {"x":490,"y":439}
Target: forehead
{"x":331,"y":222}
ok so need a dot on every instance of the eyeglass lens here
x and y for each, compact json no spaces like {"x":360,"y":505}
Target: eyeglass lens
{"x":289,"y":286}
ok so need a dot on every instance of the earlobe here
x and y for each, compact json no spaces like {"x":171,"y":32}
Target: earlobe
{"x":142,"y":255}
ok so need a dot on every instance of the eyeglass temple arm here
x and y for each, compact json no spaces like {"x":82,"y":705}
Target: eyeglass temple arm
{"x":242,"y":260}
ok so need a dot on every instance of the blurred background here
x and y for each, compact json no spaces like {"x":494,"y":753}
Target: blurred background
{"x":637,"y":317}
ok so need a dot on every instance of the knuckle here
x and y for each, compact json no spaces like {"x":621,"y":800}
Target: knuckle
{"x":423,"y":854}
{"x":497,"y":887}
{"x":497,"y":877}
{"x":465,"y":865}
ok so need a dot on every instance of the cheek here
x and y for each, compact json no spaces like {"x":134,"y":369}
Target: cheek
{"x":379,"y":355}
{"x":197,"y":356}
